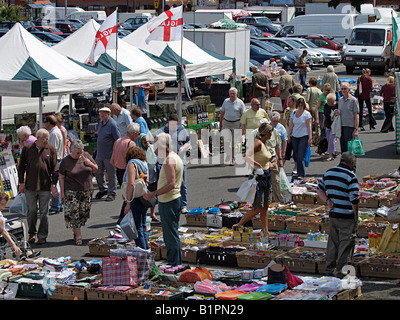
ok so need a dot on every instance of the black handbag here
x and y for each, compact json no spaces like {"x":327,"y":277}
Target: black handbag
{"x":276,"y":274}
{"x":148,"y":203}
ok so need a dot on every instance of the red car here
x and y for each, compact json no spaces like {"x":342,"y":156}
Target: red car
{"x":48,"y":29}
{"x":326,"y":42}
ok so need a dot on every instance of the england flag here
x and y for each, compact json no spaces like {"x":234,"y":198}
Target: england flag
{"x":168,"y":26}
{"x":106,"y":38}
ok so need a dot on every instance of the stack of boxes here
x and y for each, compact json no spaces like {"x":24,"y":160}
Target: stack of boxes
{"x":246,"y":234}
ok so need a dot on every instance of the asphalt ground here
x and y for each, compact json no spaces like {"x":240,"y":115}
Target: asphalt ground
{"x":210,"y":182}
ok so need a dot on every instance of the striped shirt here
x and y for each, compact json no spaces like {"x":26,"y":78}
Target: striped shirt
{"x":341,"y":186}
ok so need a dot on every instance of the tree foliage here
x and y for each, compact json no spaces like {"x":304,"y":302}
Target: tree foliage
{"x":10,"y":13}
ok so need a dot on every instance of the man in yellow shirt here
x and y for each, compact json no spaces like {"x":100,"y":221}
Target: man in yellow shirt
{"x":251,"y":117}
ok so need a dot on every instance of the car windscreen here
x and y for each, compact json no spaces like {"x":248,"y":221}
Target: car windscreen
{"x":367,"y":37}
{"x":263,"y":20}
{"x":295,"y":44}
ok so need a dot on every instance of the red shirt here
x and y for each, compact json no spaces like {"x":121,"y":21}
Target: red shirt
{"x":367,"y":87}
{"x":388,"y":93}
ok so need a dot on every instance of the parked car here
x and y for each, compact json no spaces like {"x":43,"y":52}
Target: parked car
{"x":50,"y":38}
{"x":330,"y":56}
{"x":288,"y":59}
{"x":326,"y":42}
{"x":255,"y":32}
{"x":267,"y":28}
{"x":314,"y":58}
{"x":45,"y":29}
{"x":10,"y":24}
{"x":66,"y":27}
{"x":253,"y":20}
{"x":132,"y":24}
{"x":261,"y":55}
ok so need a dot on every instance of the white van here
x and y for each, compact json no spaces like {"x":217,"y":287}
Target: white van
{"x":338,"y":26}
{"x":85,"y":16}
{"x":369,"y":46}
{"x":17,"y":105}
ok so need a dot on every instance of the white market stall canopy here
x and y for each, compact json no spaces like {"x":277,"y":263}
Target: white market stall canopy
{"x":134,"y":66}
{"x":29,"y":68}
{"x":198,"y":62}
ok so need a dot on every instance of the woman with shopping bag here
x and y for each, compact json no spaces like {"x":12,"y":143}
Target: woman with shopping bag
{"x":259,"y":157}
{"x":132,"y":191}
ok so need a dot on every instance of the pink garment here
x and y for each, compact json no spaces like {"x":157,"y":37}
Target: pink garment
{"x":31,"y":139}
{"x":119,"y":151}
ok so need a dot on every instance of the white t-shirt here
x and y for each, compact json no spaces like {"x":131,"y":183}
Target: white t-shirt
{"x":300,"y":124}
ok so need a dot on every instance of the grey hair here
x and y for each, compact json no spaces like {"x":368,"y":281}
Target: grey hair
{"x":347,"y":157}
{"x":330,"y":69}
{"x":41,"y":132}
{"x":275,"y":116}
{"x":163,"y":141}
{"x":24,"y":131}
{"x":297,"y":88}
{"x":76,"y":144}
{"x":132,"y":128}
{"x":233,"y":89}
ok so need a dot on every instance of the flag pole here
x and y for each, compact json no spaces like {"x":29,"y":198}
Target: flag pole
{"x":180,"y":78}
{"x":116,"y":59}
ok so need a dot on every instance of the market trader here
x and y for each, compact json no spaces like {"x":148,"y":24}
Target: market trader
{"x":303,"y":65}
{"x":231,"y":112}
{"x":260,"y":86}
{"x":38,"y":176}
{"x":339,"y":189}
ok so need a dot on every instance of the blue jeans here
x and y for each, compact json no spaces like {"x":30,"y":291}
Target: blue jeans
{"x":139,"y":216}
{"x":170,"y":214}
{"x":56,"y":204}
{"x":184,"y":188}
{"x":300,"y":148}
{"x":303,"y":80}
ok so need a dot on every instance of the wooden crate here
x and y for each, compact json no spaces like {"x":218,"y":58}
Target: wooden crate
{"x":301,"y":226}
{"x":304,"y":198}
{"x":100,"y":294}
{"x":296,"y":264}
{"x":197,"y":220}
{"x":369,"y":203}
{"x":256,"y":259}
{"x":100,"y":249}
{"x":189,"y":255}
{"x":67,"y":293}
{"x":371,"y":225}
{"x":349,"y":294}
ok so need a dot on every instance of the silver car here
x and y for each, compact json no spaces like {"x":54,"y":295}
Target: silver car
{"x":330,"y":56}
{"x":314,"y":58}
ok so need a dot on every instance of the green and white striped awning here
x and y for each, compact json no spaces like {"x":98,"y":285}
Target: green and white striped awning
{"x":29,"y":68}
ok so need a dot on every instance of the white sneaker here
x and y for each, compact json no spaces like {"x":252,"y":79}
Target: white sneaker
{"x":184,"y":211}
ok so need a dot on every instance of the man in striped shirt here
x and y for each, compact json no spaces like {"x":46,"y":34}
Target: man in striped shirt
{"x":339,"y":189}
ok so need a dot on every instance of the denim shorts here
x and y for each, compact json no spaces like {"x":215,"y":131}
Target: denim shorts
{"x":263,"y":197}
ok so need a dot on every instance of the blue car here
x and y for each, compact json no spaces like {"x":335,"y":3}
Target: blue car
{"x":260,"y":55}
{"x":288,"y":60}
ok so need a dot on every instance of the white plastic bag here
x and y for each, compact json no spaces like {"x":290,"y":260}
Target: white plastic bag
{"x":19,"y":205}
{"x":128,"y":227}
{"x":297,"y":77}
{"x":247,"y":190}
{"x":284,"y":181}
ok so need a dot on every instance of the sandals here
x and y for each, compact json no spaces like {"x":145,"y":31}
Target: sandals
{"x":78,"y":241}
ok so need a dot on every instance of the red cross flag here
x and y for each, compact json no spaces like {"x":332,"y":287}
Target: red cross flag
{"x":168,"y":26}
{"x":106,"y":38}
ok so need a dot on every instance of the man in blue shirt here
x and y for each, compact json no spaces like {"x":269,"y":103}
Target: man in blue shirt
{"x":180,"y":141}
{"x":339,"y":189}
{"x":107,"y":134}
{"x":123,"y":118}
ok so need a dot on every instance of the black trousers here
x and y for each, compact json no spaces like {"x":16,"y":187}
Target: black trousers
{"x":388,"y":107}
{"x":372,"y":121}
